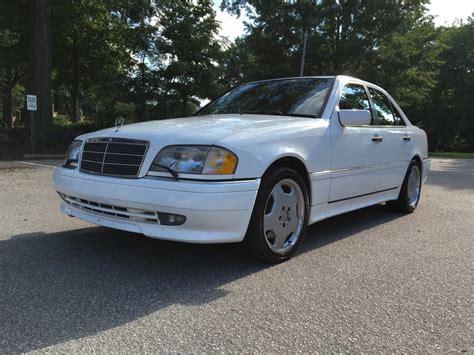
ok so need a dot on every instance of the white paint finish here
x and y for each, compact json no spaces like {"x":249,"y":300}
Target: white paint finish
{"x":217,"y":228}
{"x":337,"y":208}
{"x":153,"y":194}
{"x":342,"y":163}
{"x":354,"y":118}
{"x":215,"y":212}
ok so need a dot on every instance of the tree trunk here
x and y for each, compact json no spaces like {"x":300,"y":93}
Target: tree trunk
{"x":8,"y":99}
{"x":75,"y":96}
{"x":75,"y":81}
{"x":39,"y":66}
{"x":185,"y":104}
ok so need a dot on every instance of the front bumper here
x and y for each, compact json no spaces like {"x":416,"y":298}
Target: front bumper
{"x":216,"y":212}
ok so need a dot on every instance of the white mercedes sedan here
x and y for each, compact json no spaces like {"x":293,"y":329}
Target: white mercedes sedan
{"x":256,"y":165}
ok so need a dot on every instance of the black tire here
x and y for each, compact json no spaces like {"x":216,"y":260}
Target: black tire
{"x":255,"y":240}
{"x":403,"y":204}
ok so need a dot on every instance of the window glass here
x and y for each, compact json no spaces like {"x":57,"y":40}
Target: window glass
{"x":382,"y":108}
{"x":397,"y":116}
{"x":288,"y":97}
{"x":354,"y":97}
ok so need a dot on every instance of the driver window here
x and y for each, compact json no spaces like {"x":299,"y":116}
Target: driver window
{"x":354,"y":97}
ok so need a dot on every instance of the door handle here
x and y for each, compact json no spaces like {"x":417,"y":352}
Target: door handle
{"x":377,"y":139}
{"x":407,"y":138}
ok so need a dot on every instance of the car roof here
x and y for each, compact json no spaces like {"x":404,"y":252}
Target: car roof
{"x":293,"y":78}
{"x":343,"y":78}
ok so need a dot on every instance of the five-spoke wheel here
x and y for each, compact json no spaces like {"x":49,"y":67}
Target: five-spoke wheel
{"x":411,"y":190}
{"x":414,"y":186}
{"x":280,"y":215}
{"x":284,"y":216}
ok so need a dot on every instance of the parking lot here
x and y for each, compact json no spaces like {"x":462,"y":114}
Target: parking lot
{"x":369,"y":281}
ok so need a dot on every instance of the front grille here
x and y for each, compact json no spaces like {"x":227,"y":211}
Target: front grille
{"x":113,"y":156}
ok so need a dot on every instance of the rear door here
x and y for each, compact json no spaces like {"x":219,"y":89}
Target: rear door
{"x":396,"y":138}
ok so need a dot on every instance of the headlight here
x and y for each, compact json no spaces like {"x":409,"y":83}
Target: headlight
{"x":186,"y":159}
{"x":73,"y":153}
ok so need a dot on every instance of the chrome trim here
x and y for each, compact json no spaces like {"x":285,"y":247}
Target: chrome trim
{"x":119,"y":123}
{"x":356,"y":168}
{"x":363,"y":195}
{"x":114,"y":212}
{"x":214,"y":181}
{"x":114,"y":140}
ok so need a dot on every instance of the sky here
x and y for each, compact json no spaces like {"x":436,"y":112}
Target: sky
{"x":445,"y":12}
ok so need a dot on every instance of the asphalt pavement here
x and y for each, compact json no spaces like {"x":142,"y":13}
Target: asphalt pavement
{"x":368,"y":281}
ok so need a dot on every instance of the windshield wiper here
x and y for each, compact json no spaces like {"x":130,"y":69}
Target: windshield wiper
{"x":276,"y":113}
{"x":172,"y":172}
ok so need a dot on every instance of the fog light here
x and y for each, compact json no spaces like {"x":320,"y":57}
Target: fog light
{"x":169,"y":219}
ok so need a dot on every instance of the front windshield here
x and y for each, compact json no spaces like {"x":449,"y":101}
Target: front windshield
{"x":304,"y":97}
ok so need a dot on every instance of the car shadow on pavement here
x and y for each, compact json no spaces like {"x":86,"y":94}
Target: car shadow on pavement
{"x":68,"y":285}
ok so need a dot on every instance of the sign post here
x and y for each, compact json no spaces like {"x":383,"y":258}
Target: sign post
{"x":31,"y":106}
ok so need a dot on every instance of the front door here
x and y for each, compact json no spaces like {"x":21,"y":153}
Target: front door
{"x":357,"y":153}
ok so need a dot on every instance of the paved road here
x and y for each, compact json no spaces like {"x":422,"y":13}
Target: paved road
{"x":372,"y":280}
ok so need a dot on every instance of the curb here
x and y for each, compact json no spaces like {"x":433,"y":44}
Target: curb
{"x":43,"y":156}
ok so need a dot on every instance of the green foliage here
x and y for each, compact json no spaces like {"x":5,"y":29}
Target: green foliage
{"x":91,"y":53}
{"x":188,"y":42}
{"x":154,"y":59}
{"x":61,"y":121}
{"x":454,"y":155}
{"x":13,"y":33}
{"x":429,"y":71}
{"x":453,"y":97}
{"x":407,"y":64}
{"x":13,"y":49}
{"x":341,"y":39}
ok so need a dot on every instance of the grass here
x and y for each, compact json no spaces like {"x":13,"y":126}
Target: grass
{"x":455,"y":155}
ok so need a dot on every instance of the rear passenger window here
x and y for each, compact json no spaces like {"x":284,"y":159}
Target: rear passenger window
{"x":397,"y":116}
{"x":354,"y":97}
{"x":382,"y":108}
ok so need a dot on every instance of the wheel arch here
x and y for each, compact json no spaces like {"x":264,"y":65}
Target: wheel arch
{"x":295,"y":163}
{"x":417,"y":158}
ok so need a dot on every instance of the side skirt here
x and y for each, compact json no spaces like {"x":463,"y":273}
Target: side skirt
{"x":334,"y":208}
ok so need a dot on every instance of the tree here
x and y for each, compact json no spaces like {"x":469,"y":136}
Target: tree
{"x":90,"y":48}
{"x":342,"y":37}
{"x":39,"y":65}
{"x":448,"y":116}
{"x":142,"y":35}
{"x":406,"y":63}
{"x":188,"y":42}
{"x":13,"y":41}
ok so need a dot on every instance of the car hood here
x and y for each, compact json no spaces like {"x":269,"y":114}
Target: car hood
{"x":197,"y":129}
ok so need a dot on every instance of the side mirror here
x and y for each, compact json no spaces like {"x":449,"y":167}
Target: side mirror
{"x":354,"y":118}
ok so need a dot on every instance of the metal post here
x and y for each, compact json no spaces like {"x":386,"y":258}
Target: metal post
{"x":33,"y":138}
{"x":303,"y":57}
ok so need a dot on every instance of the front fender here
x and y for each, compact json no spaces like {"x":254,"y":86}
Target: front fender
{"x":308,"y":142}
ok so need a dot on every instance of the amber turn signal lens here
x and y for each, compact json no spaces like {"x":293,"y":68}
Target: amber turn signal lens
{"x":220,"y":161}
